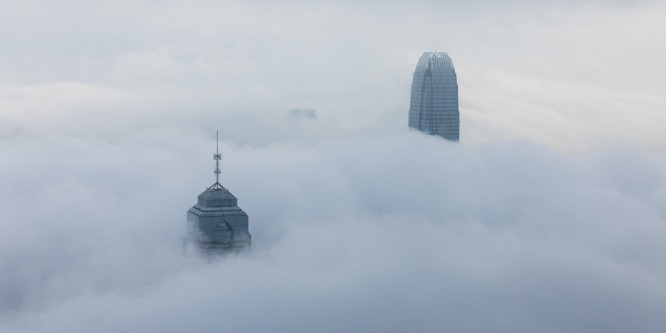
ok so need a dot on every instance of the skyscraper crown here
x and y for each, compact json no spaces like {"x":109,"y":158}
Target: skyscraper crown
{"x":433,"y":107}
{"x":216,"y":223}
{"x":435,"y":60}
{"x":217,"y":197}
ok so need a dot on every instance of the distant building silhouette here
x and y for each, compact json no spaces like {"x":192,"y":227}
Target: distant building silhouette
{"x":304,"y":113}
{"x":433,"y":107}
{"x":216,"y":223}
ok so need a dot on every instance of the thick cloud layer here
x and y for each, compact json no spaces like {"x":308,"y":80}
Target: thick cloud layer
{"x":401,"y":233}
{"x":549,"y":216}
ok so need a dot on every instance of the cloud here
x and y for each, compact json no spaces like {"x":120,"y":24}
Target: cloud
{"x":576,"y":77}
{"x":548,"y":216}
{"x":393,"y":233}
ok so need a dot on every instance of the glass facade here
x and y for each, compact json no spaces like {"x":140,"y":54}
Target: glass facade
{"x":217,"y":223}
{"x":434,"y":103}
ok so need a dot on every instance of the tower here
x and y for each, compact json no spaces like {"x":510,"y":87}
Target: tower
{"x":433,"y":107}
{"x":216,"y":223}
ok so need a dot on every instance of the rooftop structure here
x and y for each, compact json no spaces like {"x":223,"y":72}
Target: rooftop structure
{"x":216,"y":223}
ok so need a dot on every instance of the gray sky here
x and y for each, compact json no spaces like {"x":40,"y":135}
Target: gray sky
{"x":547,"y":217}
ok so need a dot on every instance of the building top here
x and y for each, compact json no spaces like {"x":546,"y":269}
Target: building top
{"x":217,"y":196}
{"x":434,"y":60}
{"x":433,"y":106}
{"x":216,"y":223}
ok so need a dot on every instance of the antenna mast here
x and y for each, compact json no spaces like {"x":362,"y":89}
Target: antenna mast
{"x":217,"y":157}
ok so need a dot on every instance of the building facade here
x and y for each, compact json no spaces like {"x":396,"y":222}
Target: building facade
{"x":216,"y":223}
{"x":433,"y":106}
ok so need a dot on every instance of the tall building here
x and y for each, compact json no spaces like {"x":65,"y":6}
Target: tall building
{"x":216,"y":223}
{"x":433,"y":107}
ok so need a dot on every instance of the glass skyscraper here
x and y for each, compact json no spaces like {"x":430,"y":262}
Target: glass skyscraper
{"x":216,"y":223}
{"x":434,"y":103}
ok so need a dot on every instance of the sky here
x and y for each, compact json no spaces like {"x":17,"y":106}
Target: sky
{"x":547,"y":216}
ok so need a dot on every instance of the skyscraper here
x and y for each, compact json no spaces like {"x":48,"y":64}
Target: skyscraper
{"x":216,"y":223}
{"x":433,"y":107}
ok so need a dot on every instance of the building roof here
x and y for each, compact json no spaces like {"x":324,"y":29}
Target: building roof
{"x":217,"y":196}
{"x":435,"y":59}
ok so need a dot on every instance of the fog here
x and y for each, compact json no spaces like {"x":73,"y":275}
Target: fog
{"x":548,"y":216}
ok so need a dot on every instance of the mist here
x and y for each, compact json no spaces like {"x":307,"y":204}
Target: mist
{"x":548,"y":216}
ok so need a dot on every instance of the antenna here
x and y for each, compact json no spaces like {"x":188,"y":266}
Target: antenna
{"x":217,"y":157}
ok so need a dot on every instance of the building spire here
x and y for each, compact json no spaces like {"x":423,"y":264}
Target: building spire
{"x":217,"y":157}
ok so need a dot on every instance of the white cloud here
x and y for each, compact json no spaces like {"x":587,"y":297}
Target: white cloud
{"x":391,"y":233}
{"x":153,"y":65}
{"x":108,"y":114}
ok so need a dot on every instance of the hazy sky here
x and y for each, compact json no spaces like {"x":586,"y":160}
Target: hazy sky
{"x":548,"y":216}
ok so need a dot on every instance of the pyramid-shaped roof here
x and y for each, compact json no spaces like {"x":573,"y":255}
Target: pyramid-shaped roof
{"x":217,"y":196}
